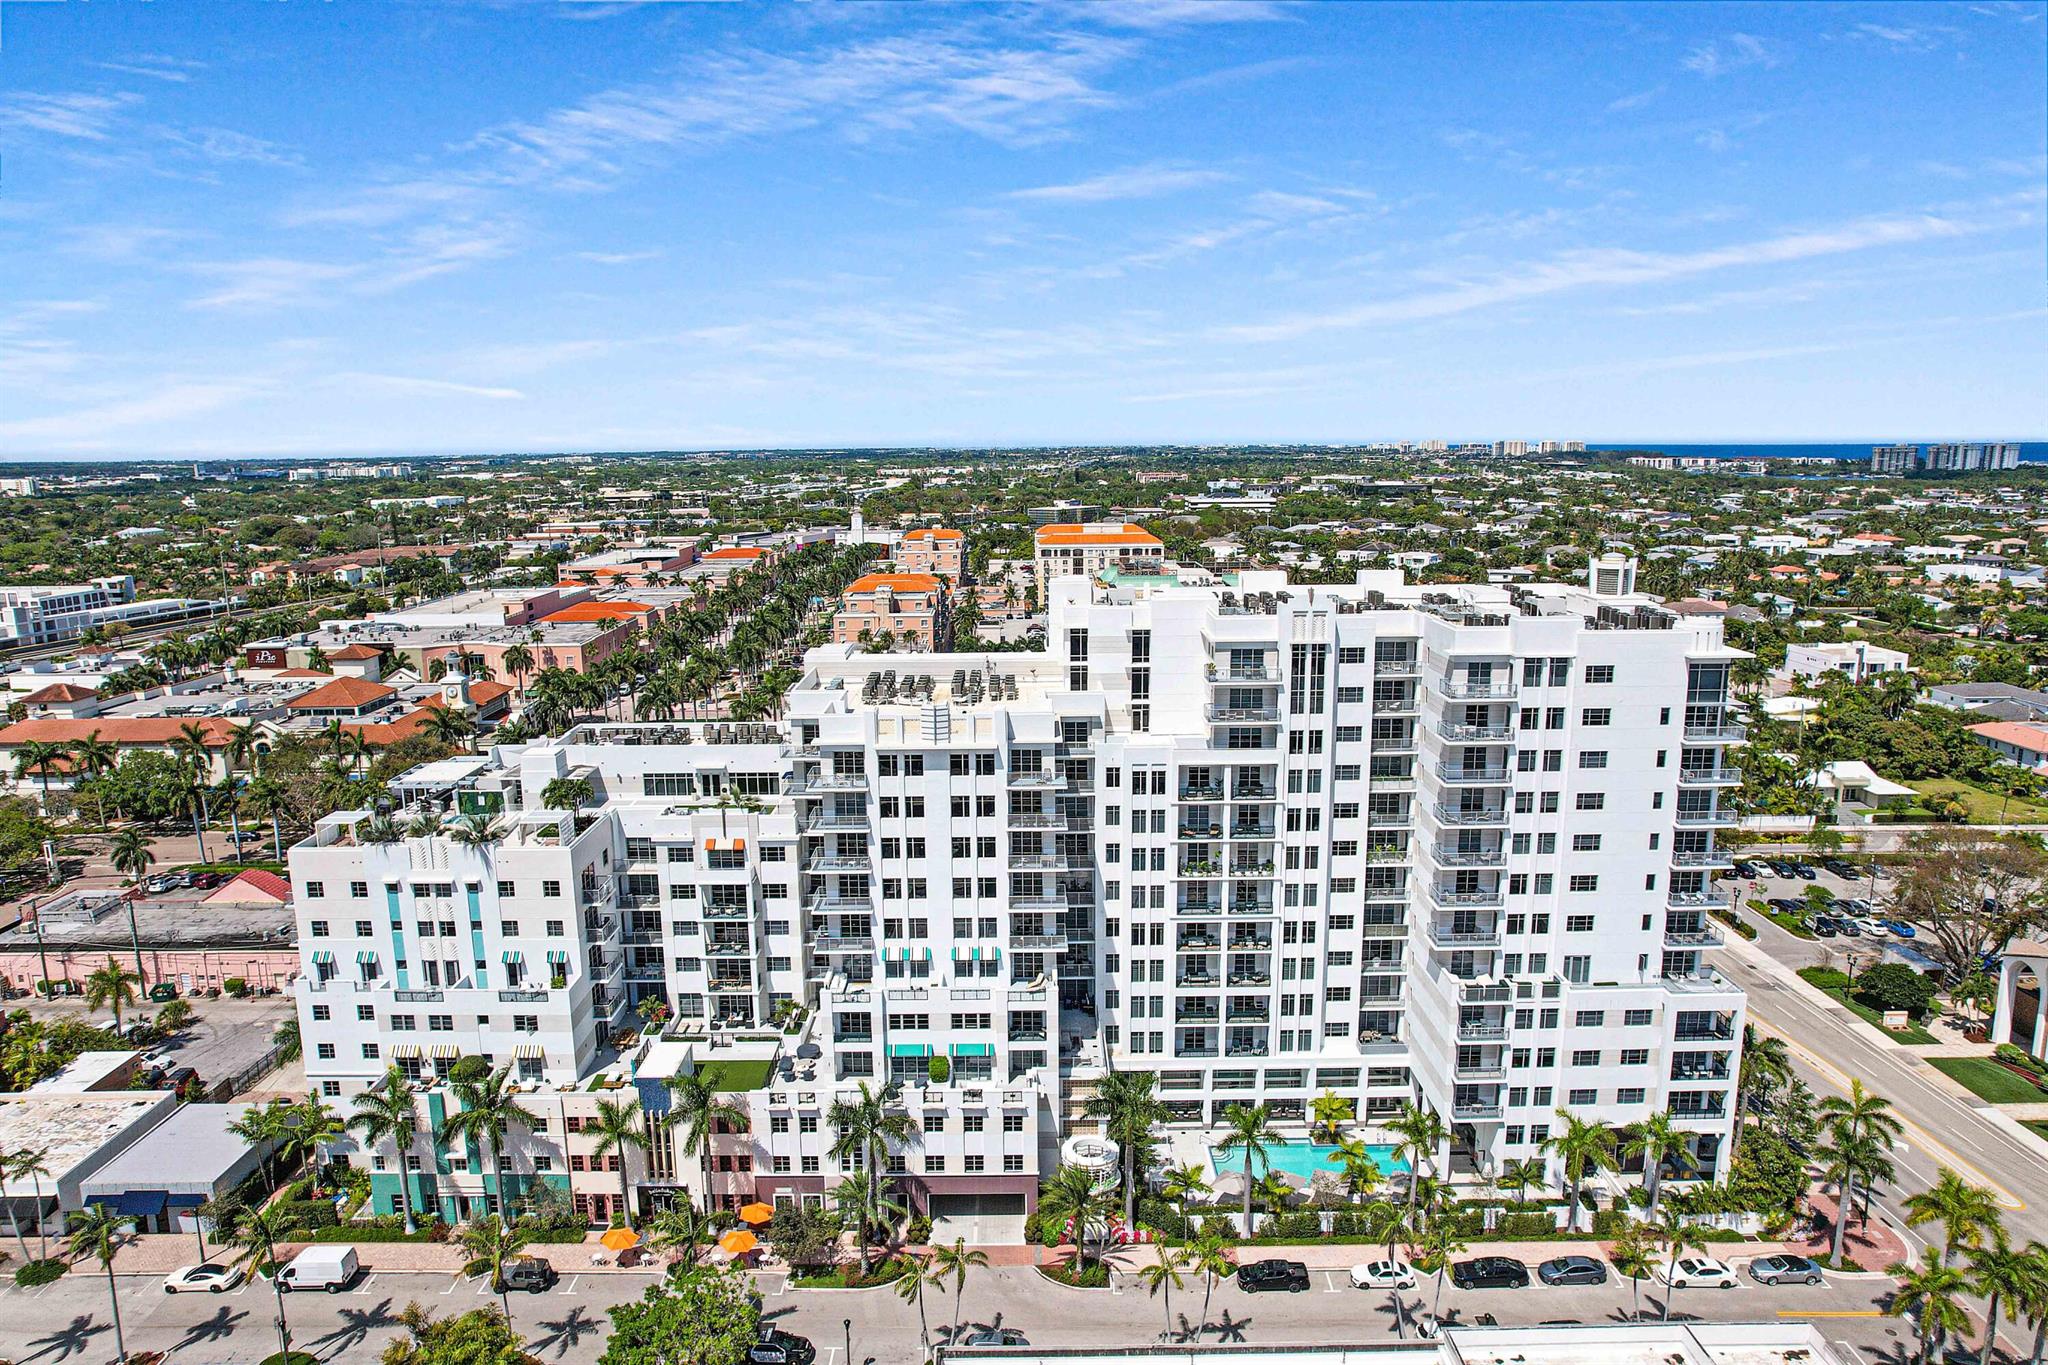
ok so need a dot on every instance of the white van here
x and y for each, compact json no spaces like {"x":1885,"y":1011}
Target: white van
{"x":332,"y":1268}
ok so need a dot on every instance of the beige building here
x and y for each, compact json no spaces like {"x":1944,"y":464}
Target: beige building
{"x":933,"y":550}
{"x":911,"y":607}
{"x":1089,"y":548}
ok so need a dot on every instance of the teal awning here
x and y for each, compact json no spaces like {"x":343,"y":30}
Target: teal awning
{"x":972,"y":1049}
{"x":514,"y":955}
{"x":366,"y":955}
{"x":323,"y":955}
{"x":558,"y":955}
{"x":910,"y":1049}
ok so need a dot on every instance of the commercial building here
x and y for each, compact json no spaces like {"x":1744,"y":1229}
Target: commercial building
{"x":933,"y":550}
{"x":912,"y":610}
{"x":1445,"y":844}
{"x":51,"y":614}
{"x":1087,"y":548}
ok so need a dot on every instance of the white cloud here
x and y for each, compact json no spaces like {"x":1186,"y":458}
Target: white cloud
{"x":86,"y":117}
{"x":84,"y":428}
{"x":617,"y":257}
{"x":425,"y":388}
{"x":224,"y":144}
{"x":1614,"y":267}
{"x":156,"y":66}
{"x":1737,"y":52}
{"x":1139,"y":182}
{"x":1635,"y":101}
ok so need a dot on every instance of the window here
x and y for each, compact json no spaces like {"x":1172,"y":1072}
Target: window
{"x":551,"y":889}
{"x":366,"y":1014}
{"x":1599,"y":673}
{"x":1583,"y":881}
{"x":934,"y":1165}
{"x":325,"y":1052}
{"x":1578,"y":924}
{"x":1596,"y":715}
{"x":1632,"y":1094}
{"x":317,"y":928}
{"x":1637,"y":1018}
{"x":1013,"y":1123}
{"x":1585,"y":843}
{"x":1589,"y":1018}
{"x":1581,"y":1097}
{"x":1635,"y":1056}
{"x":505,"y":890}
{"x":1013,"y":1163}
{"x":1592,"y":801}
{"x":1593,"y":758}
{"x":321,"y":1014}
{"x":359,"y":890}
{"x":315,"y":890}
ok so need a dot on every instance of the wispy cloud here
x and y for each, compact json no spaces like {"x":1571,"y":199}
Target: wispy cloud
{"x":155,"y":66}
{"x":224,"y":144}
{"x":1907,"y":37}
{"x":268,"y":282}
{"x":424,"y":388}
{"x":1737,"y":52}
{"x":1147,"y":14}
{"x":1634,"y":101}
{"x":88,"y":117}
{"x":617,"y":257}
{"x":1138,"y":182}
{"x":88,"y":427}
{"x":423,"y":253}
{"x":1614,"y":268}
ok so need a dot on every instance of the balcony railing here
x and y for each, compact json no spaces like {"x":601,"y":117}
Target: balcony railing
{"x":1196,"y":1014}
{"x":1492,"y":733}
{"x":1225,"y":715}
{"x":1039,"y":942}
{"x":1698,"y":900}
{"x":1485,"y":992}
{"x":1709,"y":777}
{"x":1451,"y":857}
{"x":1195,"y":792}
{"x":1396,"y":668}
{"x":1388,"y":819}
{"x":1465,"y":935}
{"x":831,"y":820}
{"x":845,"y":943}
{"x":1463,"y":815}
{"x":1480,"y":1071}
{"x":1469,"y":1032}
{"x":1032,"y":819}
{"x":1712,"y":857}
{"x":1197,"y":979}
{"x":726,"y":911}
{"x":1198,"y":943}
{"x":837,"y":862}
{"x":1251,"y":978}
{"x":1701,"y":937}
{"x":1245,"y":673}
{"x":521,"y":997}
{"x":829,"y":782}
{"x":1255,"y":791}
{"x":1252,"y":831}
{"x":1465,"y":689}
{"x":1465,"y":772}
{"x":1455,"y":899}
{"x":1716,"y":734}
{"x":1704,"y":817}
{"x":1475,"y":1109}
{"x":1039,"y":862}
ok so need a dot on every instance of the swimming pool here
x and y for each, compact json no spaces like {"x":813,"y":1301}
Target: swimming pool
{"x":1303,"y":1159}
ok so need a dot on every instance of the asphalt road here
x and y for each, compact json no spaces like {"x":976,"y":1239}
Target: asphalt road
{"x":70,"y":1320}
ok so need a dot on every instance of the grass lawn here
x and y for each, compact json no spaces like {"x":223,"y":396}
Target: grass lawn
{"x":1983,"y":806}
{"x":1909,"y":1034}
{"x":2038,"y":1127}
{"x":1987,"y":1080}
{"x":737,"y":1075}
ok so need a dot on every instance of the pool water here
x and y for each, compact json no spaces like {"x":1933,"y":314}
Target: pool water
{"x":1303,"y":1159}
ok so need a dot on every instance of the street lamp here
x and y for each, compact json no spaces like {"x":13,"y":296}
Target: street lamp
{"x":847,"y":1325}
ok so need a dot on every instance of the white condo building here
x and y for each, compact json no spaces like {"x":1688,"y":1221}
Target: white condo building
{"x":1442,"y":844}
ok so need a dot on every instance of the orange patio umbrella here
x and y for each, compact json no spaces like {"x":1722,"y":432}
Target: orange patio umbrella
{"x":757,"y":1213}
{"x":619,"y":1239}
{"x":739,"y":1242}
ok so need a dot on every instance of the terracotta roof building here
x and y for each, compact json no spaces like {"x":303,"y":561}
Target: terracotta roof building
{"x":1067,"y":547}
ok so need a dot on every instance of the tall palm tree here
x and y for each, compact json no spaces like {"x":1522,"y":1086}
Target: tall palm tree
{"x":1072,"y":1198}
{"x":1162,"y":1277}
{"x":909,"y":1287}
{"x":2004,"y":1277}
{"x":1766,"y":1067}
{"x":448,"y":726}
{"x":518,"y":661}
{"x":95,"y":758}
{"x":96,"y":1232}
{"x":488,"y":1111}
{"x":1631,"y":1257}
{"x":1361,"y":1173}
{"x":8,"y":1171}
{"x":1328,"y":1112}
{"x":1128,"y":1103}
{"x":863,"y":1127}
{"x":1678,"y":1237}
{"x":680,"y":1226}
{"x":489,"y":1245}
{"x":269,"y":800}
{"x":1519,"y":1177}
{"x":261,"y":1231}
{"x":1247,"y":1129}
{"x":2032,"y":1299}
{"x":263,"y":1126}
{"x":698,"y":1108}
{"x":1580,"y":1147}
{"x":388,"y":1113}
{"x":38,"y":756}
{"x":1422,"y":1134}
{"x":308,"y":1125}
{"x":1931,"y":1294}
{"x":1209,"y":1257}
{"x":130,"y":853}
{"x":1651,"y":1139}
{"x":193,"y":747}
{"x":1968,"y":1214}
{"x":1182,"y":1184}
{"x":112,"y":985}
{"x":952,"y":1263}
{"x":33,"y":1163}
{"x":620,"y":1129}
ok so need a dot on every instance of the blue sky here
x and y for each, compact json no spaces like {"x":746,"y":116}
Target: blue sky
{"x":267,"y":228}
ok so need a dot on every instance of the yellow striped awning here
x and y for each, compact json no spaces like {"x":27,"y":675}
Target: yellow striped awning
{"x":446,"y":1050}
{"x":529,"y":1051}
{"x":405,"y":1049}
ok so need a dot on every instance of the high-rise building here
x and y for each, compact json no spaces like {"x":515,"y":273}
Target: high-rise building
{"x":1447,"y":844}
{"x":1895,"y":459}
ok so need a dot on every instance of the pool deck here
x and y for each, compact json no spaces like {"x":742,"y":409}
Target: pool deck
{"x":1191,"y":1147}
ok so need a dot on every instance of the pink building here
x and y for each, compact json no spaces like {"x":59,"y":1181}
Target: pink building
{"x":934,"y":550}
{"x":910,"y":606}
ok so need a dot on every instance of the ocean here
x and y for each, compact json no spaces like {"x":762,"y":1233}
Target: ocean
{"x":2031,"y":452}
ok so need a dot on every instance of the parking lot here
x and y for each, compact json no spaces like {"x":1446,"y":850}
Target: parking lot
{"x":1830,"y":942}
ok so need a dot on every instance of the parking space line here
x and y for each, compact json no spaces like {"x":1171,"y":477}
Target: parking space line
{"x":453,"y":1281}
{"x":363,"y":1290}
{"x":1331,"y":1277}
{"x":570,"y":1287}
{"x":1831,"y":1313}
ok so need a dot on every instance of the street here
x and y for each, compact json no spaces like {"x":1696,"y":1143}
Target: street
{"x":69,"y":1320}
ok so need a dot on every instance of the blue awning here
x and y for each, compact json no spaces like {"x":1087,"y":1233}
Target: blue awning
{"x":134,"y":1204}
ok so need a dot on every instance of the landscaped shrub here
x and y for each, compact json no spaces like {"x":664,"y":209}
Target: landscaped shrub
{"x":1609,"y":1222}
{"x":38,"y":1273}
{"x":306,"y":1213}
{"x":2013,"y":1055}
{"x":1895,"y":986}
{"x":235,"y":986}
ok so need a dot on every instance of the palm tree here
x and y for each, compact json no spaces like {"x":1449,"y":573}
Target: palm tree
{"x":269,"y":800}
{"x":910,"y":1288}
{"x":448,"y":726}
{"x":112,"y":985}
{"x":1162,"y":1277}
{"x":1072,"y":1198}
{"x":1862,"y":1112}
{"x":39,"y":756}
{"x":193,"y":747}
{"x":1361,"y":1173}
{"x":1328,"y":1112}
{"x":95,"y":757}
{"x":2004,"y":1277}
{"x":308,"y":1124}
{"x":33,"y":1162}
{"x":1650,"y":1140}
{"x":1520,"y":1176}
{"x":1631,"y":1257}
{"x":1128,"y":1103}
{"x":680,"y":1225}
{"x":1678,"y":1237}
{"x":262,"y":1126}
{"x":1968,"y":1214}
{"x":953,"y":1263}
{"x":619,"y":1129}
{"x":2032,"y":1300}
{"x":1580,"y":1147}
{"x":8,"y":1171}
{"x":489,"y":1245}
{"x":1209,"y":1257}
{"x":565,"y":793}
{"x":129,"y":851}
{"x":387,"y":1113}
{"x":96,"y":1232}
{"x":1931,"y":1294}
{"x":1247,"y":1129}
{"x":862,"y":1129}
{"x":472,"y":831}
{"x":518,"y":661}
{"x":261,"y":1230}
{"x":698,"y":1108}
{"x":488,"y":1110}
{"x":1443,"y":1242}
{"x":1422,"y":1134}
{"x":1766,"y":1067}
{"x":1182,"y":1184}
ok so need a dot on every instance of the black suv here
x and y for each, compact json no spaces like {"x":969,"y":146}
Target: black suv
{"x":1261,"y":1276}
{"x":1490,"y":1272}
{"x":777,"y":1347}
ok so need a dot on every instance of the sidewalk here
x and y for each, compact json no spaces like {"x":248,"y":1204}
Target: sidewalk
{"x":161,"y":1253}
{"x":1874,"y":1245}
{"x":1344,"y":1255}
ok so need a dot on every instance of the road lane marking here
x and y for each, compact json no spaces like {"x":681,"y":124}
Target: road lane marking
{"x":1930,"y":1144}
{"x":1832,"y":1313}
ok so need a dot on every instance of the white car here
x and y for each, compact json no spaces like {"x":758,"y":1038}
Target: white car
{"x":212,"y":1277}
{"x":1872,"y":928}
{"x":1383,"y":1275}
{"x":1700,"y":1272}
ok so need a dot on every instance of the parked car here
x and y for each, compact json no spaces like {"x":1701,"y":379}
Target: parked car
{"x":1825,"y":927}
{"x":1490,"y":1272}
{"x":1855,"y":905}
{"x":1780,"y":868}
{"x":206,"y":881}
{"x":530,"y":1273}
{"x":777,"y":1347}
{"x":1848,"y":927}
{"x":1261,"y":1277}
{"x":1842,"y":868}
{"x":1872,"y":928}
{"x":157,"y":885}
{"x":1804,"y":871}
{"x":1000,"y":1336}
{"x":1784,"y":1270}
{"x":1901,"y":929}
{"x":1383,"y":1275}
{"x":1748,"y":871}
{"x":332,"y":1268}
{"x":1572,"y":1270}
{"x":211,"y":1277}
{"x":1700,"y":1272}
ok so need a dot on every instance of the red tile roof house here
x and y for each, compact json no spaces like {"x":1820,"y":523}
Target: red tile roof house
{"x":128,"y":734}
{"x":254,"y":887}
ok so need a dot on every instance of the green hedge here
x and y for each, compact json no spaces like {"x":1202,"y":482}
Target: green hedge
{"x":38,"y":1273}
{"x":310,"y":1214}
{"x":371,"y":1232}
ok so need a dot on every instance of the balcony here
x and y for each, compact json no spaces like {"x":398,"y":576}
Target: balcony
{"x":727,"y":911}
{"x":1245,"y":1050}
{"x":1467,"y":772}
{"x":1698,"y":900}
{"x":826,"y":821}
{"x":1475,"y":1109}
{"x":1242,"y":715}
{"x":1464,"y":815}
{"x":1255,"y":791}
{"x":825,"y":903}
{"x":1705,"y":981}
{"x":1709,"y":777}
{"x":1195,"y":1014}
{"x":1251,"y":907}
{"x":1039,"y":943}
{"x":1388,"y":819}
{"x":1712,"y":857}
{"x":1392,"y":708}
{"x":1257,"y":1012}
{"x":1039,"y":862}
{"x":1480,"y":1031}
{"x":1241,"y":673}
{"x":1042,"y":901}
{"x":1718,"y":1072}
{"x":1465,"y":689}
{"x":828,"y":782}
{"x":1194,"y":869}
{"x":1495,"y":1070}
{"x":1037,"y":780}
{"x":728,"y":948}
{"x":1396,"y":668}
{"x":1035,"y":819}
{"x":522,"y":997}
{"x":1198,"y":942}
{"x":1690,"y":936}
{"x":1198,"y":980}
{"x":1704,"y":1033}
{"x":1452,"y":899}
{"x":1715,"y":734}
{"x":1465,"y":935}
{"x":1027,"y":1035}
{"x":1699,"y":1111}
{"x":1244,"y":978}
{"x":1199,"y":908}
{"x":1198,"y":792}
{"x":1251,"y":943}
{"x":1252,"y":830}
{"x":1490,"y":733}
{"x":1485,"y":992}
{"x":845,"y":943}
{"x":1264,"y":869}
{"x":1482,"y":857}
{"x":1696,"y":818}
{"x":820,"y":863}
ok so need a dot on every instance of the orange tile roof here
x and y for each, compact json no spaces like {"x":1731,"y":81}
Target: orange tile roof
{"x":351,"y":652}
{"x":932,"y":533}
{"x":118,"y":730}
{"x":60,"y":692}
{"x":2029,"y":737}
{"x":895,"y":582}
{"x":268,"y":885}
{"x":598,"y":611}
{"x":353,"y":693}
{"x":736,"y":552}
{"x":385,"y":732}
{"x":487,"y":690}
{"x":1073,"y":533}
